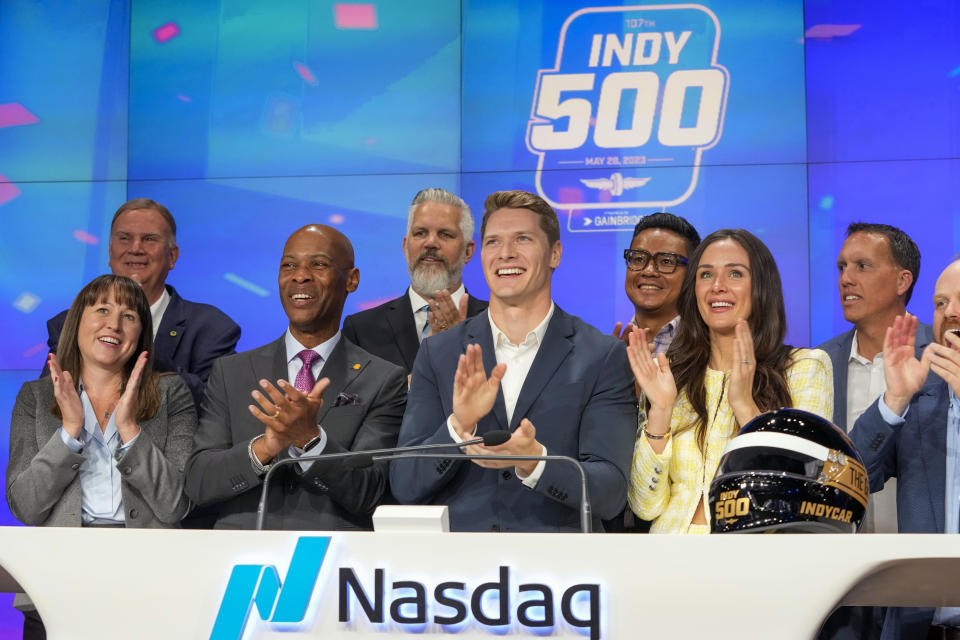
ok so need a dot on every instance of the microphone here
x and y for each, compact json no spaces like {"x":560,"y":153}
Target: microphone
{"x":585,"y":509}
{"x":488,"y":439}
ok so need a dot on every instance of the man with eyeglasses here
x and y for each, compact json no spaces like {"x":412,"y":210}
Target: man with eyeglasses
{"x":656,"y":265}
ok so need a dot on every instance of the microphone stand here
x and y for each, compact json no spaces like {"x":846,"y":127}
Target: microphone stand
{"x":585,"y":509}
{"x":489,"y":438}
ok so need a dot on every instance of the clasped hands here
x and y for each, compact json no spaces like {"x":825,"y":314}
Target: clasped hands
{"x":904,"y":373}
{"x":289,"y":416}
{"x":473,"y":397}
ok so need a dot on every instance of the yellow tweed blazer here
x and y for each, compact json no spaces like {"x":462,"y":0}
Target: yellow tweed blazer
{"x":666,"y":488}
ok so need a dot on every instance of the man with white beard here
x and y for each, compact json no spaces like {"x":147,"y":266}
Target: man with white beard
{"x":439,"y":242}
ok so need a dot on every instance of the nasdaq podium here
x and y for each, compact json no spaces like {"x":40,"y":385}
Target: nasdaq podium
{"x":117,"y":583}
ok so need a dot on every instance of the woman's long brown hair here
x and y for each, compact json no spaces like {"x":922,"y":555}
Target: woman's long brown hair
{"x":689,"y":353}
{"x":126,"y":292}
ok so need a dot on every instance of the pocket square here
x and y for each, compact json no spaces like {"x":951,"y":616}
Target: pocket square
{"x":346,"y":399}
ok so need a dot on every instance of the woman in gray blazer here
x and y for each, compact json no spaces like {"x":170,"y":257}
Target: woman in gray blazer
{"x":101,"y":441}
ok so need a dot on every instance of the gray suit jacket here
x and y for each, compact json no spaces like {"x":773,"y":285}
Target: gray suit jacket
{"x":43,"y":485}
{"x":838,"y":348}
{"x":362,"y":409}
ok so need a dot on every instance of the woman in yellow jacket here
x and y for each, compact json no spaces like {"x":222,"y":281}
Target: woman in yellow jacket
{"x":727,"y":365}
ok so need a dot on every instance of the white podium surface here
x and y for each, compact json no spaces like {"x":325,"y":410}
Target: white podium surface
{"x":116,"y":583}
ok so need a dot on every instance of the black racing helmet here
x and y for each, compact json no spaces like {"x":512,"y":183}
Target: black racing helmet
{"x":790,"y":471}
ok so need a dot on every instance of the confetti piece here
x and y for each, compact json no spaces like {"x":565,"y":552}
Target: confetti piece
{"x":336,"y":219}
{"x":355,"y":16}
{"x":246,"y":284}
{"x":8,"y":190}
{"x":85,"y":237}
{"x":830,"y":31}
{"x":183,"y":98}
{"x":166,"y":32}
{"x":370,"y":141}
{"x":305,"y":73}
{"x":826,"y":202}
{"x":26,"y":302}
{"x":34,"y":350}
{"x":14,"y":114}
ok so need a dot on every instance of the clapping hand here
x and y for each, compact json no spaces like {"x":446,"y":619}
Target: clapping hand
{"x":65,"y":393}
{"x":126,"y":412}
{"x":473,"y":392}
{"x":740,"y":395}
{"x":945,"y":361}
{"x":621,"y":332}
{"x":522,"y":442}
{"x":903,"y":372}
{"x":651,"y":373}
{"x":443,"y":313}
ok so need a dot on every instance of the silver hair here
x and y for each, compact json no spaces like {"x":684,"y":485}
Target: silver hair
{"x":442,"y":196}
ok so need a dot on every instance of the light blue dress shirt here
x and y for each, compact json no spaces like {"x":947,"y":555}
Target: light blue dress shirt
{"x":101,"y":499}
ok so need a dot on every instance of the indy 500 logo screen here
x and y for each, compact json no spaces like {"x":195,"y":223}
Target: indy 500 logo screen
{"x":622,"y":121}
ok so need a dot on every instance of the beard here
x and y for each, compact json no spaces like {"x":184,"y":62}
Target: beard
{"x":428,"y":278}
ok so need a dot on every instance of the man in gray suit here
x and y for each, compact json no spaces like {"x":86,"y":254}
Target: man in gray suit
{"x":315,"y":392}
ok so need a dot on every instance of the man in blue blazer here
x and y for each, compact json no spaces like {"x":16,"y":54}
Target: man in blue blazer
{"x":912,"y":433}
{"x":188,"y":336}
{"x":560,"y":386}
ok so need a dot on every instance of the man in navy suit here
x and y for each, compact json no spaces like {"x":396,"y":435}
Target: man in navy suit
{"x":188,"y":336}
{"x":439,"y":242}
{"x":560,"y":386}
{"x":913,"y":433}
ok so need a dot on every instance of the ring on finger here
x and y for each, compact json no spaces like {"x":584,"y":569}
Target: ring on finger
{"x":275,"y":414}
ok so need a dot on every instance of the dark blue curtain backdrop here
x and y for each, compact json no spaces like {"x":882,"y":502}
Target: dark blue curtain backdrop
{"x":251,"y":118}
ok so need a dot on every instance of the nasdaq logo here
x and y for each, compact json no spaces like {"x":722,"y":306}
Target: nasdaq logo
{"x":622,"y":119}
{"x":259,"y":584}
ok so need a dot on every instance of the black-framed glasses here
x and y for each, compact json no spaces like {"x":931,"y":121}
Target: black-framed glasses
{"x":663,"y":261}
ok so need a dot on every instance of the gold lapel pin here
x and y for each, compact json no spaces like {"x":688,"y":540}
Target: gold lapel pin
{"x":173,"y":333}
{"x":356,"y":366}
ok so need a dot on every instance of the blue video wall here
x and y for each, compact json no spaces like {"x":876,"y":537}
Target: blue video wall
{"x":250,"y":118}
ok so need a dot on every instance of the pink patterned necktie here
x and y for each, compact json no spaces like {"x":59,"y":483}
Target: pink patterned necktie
{"x":305,"y":380}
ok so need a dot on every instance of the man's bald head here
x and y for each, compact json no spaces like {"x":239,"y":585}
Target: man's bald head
{"x":338,"y":242}
{"x":946,"y":303}
{"x":316,"y":274}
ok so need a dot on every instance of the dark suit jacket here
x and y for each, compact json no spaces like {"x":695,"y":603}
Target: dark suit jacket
{"x":329,"y":495}
{"x":191,"y":336}
{"x":838,"y":348}
{"x":580,"y":397}
{"x":389,"y":331}
{"x":915,"y":453}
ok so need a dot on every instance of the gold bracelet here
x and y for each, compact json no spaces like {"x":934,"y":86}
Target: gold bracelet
{"x":654,"y":436}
